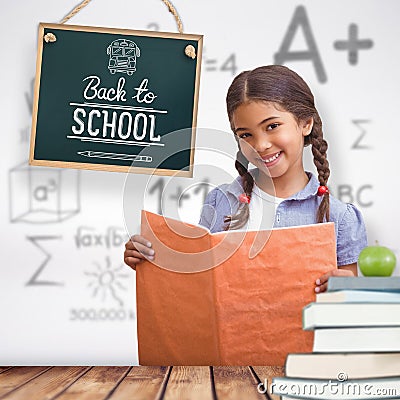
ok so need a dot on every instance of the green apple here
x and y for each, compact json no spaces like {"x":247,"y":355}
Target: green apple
{"x":377,"y":261}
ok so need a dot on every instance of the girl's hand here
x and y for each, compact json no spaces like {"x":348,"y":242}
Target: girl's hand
{"x":137,"y":249}
{"x":322,"y":282}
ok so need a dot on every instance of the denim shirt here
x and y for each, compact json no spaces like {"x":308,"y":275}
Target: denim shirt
{"x":299,"y":209}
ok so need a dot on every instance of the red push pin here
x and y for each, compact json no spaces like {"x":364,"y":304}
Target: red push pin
{"x":243,"y":198}
{"x":322,"y":190}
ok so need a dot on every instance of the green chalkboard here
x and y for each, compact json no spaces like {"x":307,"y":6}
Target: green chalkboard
{"x":115,"y":99}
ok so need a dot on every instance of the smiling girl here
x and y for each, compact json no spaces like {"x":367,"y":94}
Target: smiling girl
{"x":273,"y":117}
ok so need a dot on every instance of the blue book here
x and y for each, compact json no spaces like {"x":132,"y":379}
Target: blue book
{"x":358,"y":340}
{"x":350,"y":315}
{"x":330,"y":365}
{"x":376,"y":283}
{"x":358,"y":296}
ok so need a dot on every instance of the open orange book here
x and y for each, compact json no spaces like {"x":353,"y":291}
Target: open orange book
{"x":228,"y":298}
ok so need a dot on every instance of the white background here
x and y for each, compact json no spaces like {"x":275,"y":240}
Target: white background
{"x":66,"y":297}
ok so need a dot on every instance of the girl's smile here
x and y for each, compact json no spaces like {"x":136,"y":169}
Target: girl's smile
{"x":270,"y":160}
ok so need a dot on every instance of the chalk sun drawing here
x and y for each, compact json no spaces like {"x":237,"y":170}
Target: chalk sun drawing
{"x":106,"y":281}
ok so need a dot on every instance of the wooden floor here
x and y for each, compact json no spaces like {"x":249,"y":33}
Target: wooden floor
{"x":71,"y":383}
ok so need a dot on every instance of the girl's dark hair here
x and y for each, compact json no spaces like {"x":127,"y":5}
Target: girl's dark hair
{"x":278,"y":84}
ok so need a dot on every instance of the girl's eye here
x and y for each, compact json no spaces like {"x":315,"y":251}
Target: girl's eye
{"x":272,"y":126}
{"x":244,"y":135}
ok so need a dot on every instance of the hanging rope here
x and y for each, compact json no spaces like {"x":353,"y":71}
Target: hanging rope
{"x":75,"y":11}
{"x":84,"y":3}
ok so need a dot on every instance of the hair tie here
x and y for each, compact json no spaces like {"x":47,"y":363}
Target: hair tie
{"x":322,"y":190}
{"x":243,"y":198}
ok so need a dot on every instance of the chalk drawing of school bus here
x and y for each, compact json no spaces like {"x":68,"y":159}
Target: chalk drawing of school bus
{"x":123,"y":54}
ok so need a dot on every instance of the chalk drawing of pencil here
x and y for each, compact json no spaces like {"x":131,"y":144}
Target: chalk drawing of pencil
{"x":114,"y":156}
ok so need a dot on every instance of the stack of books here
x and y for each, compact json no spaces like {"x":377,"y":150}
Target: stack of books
{"x":356,"y":352}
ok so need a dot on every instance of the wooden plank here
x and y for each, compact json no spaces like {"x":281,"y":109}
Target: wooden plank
{"x":265,"y":374}
{"x":2,"y":369}
{"x":15,"y":377}
{"x":142,"y":383}
{"x":189,"y":383}
{"x":97,"y":383}
{"x":235,"y":383}
{"x":47,"y":385}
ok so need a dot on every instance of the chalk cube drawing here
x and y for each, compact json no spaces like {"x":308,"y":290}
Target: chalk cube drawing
{"x":43,"y":195}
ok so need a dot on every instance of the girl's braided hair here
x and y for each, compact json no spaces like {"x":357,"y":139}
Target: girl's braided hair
{"x":278,"y":84}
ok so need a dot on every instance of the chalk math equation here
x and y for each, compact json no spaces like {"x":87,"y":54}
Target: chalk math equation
{"x":351,"y":44}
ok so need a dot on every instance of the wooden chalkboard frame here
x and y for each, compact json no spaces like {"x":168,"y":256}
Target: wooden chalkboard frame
{"x":188,"y":172}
